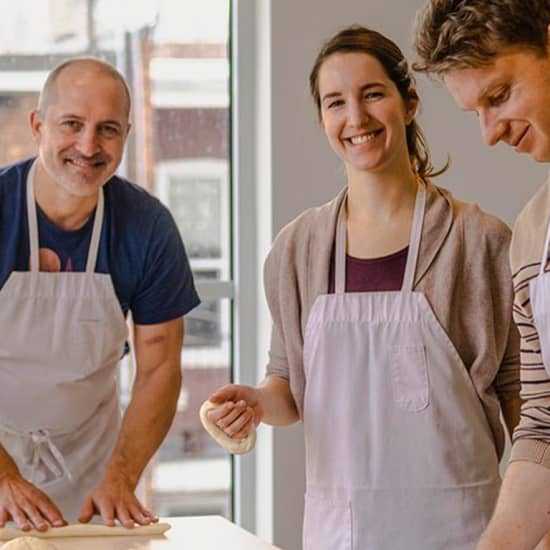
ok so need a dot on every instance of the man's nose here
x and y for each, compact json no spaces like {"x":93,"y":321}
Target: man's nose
{"x":88,"y":143}
{"x":492,"y":129}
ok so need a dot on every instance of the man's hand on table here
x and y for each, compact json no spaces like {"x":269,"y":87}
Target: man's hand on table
{"x":26,"y":505}
{"x":114,"y":499}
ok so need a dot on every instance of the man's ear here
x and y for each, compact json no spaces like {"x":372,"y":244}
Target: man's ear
{"x":35,"y":119}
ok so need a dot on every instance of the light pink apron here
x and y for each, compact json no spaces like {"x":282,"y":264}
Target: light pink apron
{"x":62,"y":335}
{"x":539,"y":293}
{"x":399,"y":452}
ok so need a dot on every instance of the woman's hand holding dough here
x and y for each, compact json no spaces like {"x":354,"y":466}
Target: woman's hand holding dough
{"x":236,"y":411}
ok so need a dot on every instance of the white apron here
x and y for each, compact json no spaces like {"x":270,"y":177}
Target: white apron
{"x":62,"y":335}
{"x":539,"y":293}
{"x":399,"y":452}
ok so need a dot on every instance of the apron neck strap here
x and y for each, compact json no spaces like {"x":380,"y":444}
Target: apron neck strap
{"x":32,"y":221}
{"x":340,"y":250}
{"x":33,"y":226}
{"x":416,"y":234}
{"x":545,"y":251}
{"x":414,"y":245}
{"x":96,"y":234}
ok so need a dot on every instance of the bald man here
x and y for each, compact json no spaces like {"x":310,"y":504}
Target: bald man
{"x":79,"y":249}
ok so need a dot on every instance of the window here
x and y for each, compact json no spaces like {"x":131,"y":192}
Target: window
{"x":174,"y":55}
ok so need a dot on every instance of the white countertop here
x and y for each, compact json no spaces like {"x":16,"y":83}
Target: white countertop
{"x":188,"y":533}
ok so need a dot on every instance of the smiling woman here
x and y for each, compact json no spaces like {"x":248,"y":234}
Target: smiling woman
{"x":383,"y":341}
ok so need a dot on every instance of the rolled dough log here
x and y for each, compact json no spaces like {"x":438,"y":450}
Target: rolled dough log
{"x":234,"y":446}
{"x":87,"y":530}
{"x":28,"y":543}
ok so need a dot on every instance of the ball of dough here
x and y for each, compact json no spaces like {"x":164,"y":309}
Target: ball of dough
{"x":28,"y":543}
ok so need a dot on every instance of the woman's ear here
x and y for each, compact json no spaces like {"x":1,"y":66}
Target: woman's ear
{"x":412,"y":108}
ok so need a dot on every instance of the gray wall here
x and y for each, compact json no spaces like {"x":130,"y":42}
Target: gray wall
{"x":305,"y":172}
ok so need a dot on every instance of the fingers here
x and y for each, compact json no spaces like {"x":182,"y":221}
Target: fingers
{"x":245,"y":430}
{"x":88,"y":511}
{"x":217,"y":413}
{"x":123,"y":516}
{"x":106,"y":510}
{"x":153,"y":517}
{"x":226,"y":393}
{"x":36,"y":519}
{"x":235,"y":427}
{"x":20,"y":519}
{"x":28,"y":507}
{"x":4,"y":518}
{"x":234,"y":392}
{"x":136,"y":512}
{"x":232,"y":415}
{"x":49,"y":511}
{"x":236,"y":420}
{"x":126,"y":509}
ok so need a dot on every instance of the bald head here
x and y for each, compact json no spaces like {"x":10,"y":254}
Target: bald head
{"x":77,"y":65}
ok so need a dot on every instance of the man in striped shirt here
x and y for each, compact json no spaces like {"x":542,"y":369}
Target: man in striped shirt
{"x":494,"y":57}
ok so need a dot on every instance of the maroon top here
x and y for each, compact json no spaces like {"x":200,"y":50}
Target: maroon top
{"x":373,"y":274}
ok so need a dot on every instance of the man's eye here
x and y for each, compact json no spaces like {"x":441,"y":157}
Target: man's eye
{"x":110,"y":131}
{"x":71,"y":124}
{"x":500,"y":97}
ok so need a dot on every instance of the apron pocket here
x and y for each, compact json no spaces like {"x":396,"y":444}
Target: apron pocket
{"x":327,"y":524}
{"x":409,"y":376}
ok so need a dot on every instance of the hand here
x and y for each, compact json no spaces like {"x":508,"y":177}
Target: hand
{"x":114,"y":499}
{"x":26,"y":505}
{"x":239,"y":410}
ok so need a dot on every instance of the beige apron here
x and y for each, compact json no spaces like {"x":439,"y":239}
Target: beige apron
{"x":539,"y":293}
{"x":399,"y":452}
{"x":62,"y":337}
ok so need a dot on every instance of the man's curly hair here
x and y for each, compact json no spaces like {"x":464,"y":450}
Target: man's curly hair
{"x":455,"y":34}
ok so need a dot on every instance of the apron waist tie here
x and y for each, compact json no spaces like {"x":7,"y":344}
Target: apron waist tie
{"x":41,"y":444}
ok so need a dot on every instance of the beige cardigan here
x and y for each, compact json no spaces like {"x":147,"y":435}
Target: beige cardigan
{"x":462,"y":269}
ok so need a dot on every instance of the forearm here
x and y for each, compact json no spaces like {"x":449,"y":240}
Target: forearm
{"x":145,"y":423}
{"x":521,"y":517}
{"x":277,"y":402}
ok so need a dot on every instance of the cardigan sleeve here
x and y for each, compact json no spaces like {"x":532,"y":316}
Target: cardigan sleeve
{"x":277,"y":363}
{"x":285,"y":281}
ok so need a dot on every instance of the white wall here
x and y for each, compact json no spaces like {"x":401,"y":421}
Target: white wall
{"x":301,"y":170}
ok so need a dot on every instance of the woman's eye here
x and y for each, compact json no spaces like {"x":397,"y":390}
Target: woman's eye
{"x":335,"y":103}
{"x":373,"y":95}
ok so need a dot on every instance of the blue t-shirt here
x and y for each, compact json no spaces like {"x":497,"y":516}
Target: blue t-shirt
{"x":140,"y":247}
